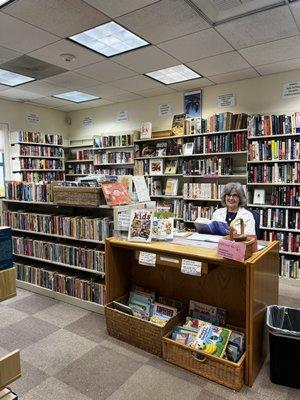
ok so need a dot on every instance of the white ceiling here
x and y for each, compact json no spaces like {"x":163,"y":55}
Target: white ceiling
{"x":223,"y":40}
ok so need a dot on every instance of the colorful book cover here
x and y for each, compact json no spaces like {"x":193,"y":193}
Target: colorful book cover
{"x":178,"y":125}
{"x":204,"y":225}
{"x":171,"y":187}
{"x":212,"y":339}
{"x":140,"y":227}
{"x":115,"y":194}
{"x":205,"y":312}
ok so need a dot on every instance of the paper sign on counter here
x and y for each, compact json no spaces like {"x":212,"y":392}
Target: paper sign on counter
{"x":148,"y":259}
{"x":191,"y":267}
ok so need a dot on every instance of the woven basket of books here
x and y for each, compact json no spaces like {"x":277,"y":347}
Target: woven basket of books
{"x":140,"y":333}
{"x":217,"y":369}
{"x":78,"y":196}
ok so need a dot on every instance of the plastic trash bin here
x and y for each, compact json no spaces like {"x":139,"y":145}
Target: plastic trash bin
{"x":284,"y":340}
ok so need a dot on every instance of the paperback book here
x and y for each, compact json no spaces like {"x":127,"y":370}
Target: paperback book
{"x":140,"y":227}
{"x":115,"y":194}
{"x":206,"y":312}
{"x":171,"y":187}
{"x":204,"y":225}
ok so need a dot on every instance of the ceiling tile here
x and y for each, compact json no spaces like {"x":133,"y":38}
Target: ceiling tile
{"x":106,"y":71}
{"x":115,"y":8}
{"x":83,"y":106}
{"x":164,"y":20}
{"x":295,"y":8}
{"x":50,"y":102}
{"x":156,"y":92}
{"x":258,"y":28}
{"x":125,"y":97}
{"x":52,"y":54}
{"x":136,"y":83}
{"x":71,"y":80}
{"x":22,"y":37}
{"x":42,"y":88}
{"x":219,"y":64}
{"x":18,"y":94}
{"x":105,"y":91}
{"x":192,"y":85}
{"x":63,"y":18}
{"x":281,"y":66}
{"x":196,"y":46}
{"x":147,"y":59}
{"x":279,"y":50}
{"x":7,"y":54}
{"x":234,"y":76}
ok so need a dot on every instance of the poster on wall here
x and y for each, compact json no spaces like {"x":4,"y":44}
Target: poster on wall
{"x":193,"y":104}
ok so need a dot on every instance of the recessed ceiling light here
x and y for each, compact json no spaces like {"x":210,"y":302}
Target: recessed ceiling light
{"x":12,"y":79}
{"x":109,"y":39}
{"x":76,"y":97}
{"x":178,"y":73}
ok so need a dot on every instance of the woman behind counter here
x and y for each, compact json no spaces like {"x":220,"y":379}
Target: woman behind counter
{"x":233,"y":200}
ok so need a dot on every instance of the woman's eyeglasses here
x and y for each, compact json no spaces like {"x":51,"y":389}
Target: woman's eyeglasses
{"x":235,"y":196}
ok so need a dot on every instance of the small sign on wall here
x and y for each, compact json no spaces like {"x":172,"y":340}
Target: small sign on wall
{"x":122,"y":116}
{"x":164,"y":110}
{"x":87,"y":121}
{"x":226,"y":99}
{"x":291,"y":90}
{"x":32,"y":119}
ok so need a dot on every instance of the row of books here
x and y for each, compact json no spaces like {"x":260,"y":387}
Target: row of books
{"x":36,"y":163}
{"x":224,"y":142}
{"x":264,"y":125}
{"x":276,"y":173}
{"x":175,"y":206}
{"x":279,"y":218}
{"x":288,"y":149}
{"x":289,"y":241}
{"x":192,"y":212}
{"x":35,"y":151}
{"x":76,"y":227}
{"x":114,"y":157}
{"x":112,"y":141}
{"x":226,"y":121}
{"x":36,"y":137}
{"x":157,"y":167}
{"x":154,"y":186}
{"x":81,"y":168}
{"x":71,"y":255}
{"x":289,"y":267}
{"x":25,"y":191}
{"x":36,"y":177}
{"x":158,"y":149}
{"x":208,"y":166}
{"x":113,"y":171}
{"x":59,"y":280}
{"x":84,"y":154}
{"x":202,"y":190}
{"x":285,"y":196}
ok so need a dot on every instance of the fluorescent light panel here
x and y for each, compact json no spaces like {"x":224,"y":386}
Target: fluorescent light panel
{"x":2,"y":2}
{"x":76,"y":97}
{"x":12,"y":79}
{"x":178,"y":73}
{"x":109,"y":39}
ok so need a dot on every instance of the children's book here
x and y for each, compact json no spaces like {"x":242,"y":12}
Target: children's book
{"x":171,"y":167}
{"x":115,"y":194}
{"x":162,"y":313}
{"x":206,"y":312}
{"x":178,"y":125}
{"x":184,"y":335}
{"x":204,"y":225}
{"x":171,"y":187}
{"x":140,"y":227}
{"x":163,"y":225}
{"x":146,"y":130}
{"x":212,"y":339}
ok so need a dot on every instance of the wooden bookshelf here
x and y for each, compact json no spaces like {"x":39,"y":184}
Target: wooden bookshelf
{"x":7,"y":283}
{"x":10,"y":368}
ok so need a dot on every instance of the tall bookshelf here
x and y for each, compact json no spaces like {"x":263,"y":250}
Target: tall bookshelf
{"x":36,"y":156}
{"x":274,"y":174}
{"x":79,"y":158}
{"x":58,"y":250}
{"x":113,"y":154}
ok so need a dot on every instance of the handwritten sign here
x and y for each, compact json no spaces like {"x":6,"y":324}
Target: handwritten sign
{"x":226,"y":99}
{"x":164,"y":110}
{"x":191,"y":267}
{"x":122,"y":116}
{"x":291,"y":90}
{"x":148,"y":259}
{"x":33,"y":119}
{"x":87,"y":121}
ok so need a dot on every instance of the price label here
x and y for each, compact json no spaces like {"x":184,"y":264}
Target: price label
{"x":148,"y":259}
{"x":191,"y":267}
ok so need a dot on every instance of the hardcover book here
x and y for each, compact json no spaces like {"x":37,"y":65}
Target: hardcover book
{"x":156,"y":167}
{"x":140,"y":227}
{"x":115,"y":194}
{"x":171,"y":167}
{"x":161,"y":149}
{"x":212,"y":339}
{"x":146,"y":130}
{"x":206,"y":312}
{"x":205,"y":225}
{"x":171,"y":187}
{"x":178,"y":125}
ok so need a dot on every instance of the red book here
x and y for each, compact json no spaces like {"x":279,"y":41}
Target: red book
{"x":115,"y":194}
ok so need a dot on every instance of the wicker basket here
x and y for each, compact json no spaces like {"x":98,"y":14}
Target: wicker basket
{"x":137,"y":332}
{"x":222,"y":371}
{"x":78,"y":196}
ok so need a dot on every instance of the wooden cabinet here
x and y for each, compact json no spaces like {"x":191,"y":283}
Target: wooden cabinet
{"x":7,"y":284}
{"x":245,"y":289}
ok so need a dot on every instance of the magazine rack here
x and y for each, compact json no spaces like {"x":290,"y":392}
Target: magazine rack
{"x":243,"y":288}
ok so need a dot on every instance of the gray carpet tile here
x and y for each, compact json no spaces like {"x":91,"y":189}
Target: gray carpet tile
{"x":33,"y":304}
{"x":91,"y":326}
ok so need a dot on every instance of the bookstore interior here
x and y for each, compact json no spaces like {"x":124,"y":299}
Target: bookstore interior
{"x":150,"y":199}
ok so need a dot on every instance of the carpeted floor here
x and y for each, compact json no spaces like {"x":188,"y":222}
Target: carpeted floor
{"x":67,"y":354}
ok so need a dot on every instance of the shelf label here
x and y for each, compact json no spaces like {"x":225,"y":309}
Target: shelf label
{"x":164,"y":110}
{"x":33,"y":119}
{"x":122,"y":116}
{"x":191,"y":267}
{"x":291,"y":90}
{"x":148,"y":259}
{"x":226,"y":99}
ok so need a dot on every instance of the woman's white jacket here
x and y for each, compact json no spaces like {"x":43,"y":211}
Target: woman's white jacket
{"x":247,"y":217}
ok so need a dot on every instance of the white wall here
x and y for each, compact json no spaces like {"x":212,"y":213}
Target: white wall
{"x":256,"y":95}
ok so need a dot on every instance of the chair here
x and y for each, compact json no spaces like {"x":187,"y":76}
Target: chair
{"x":256,"y":217}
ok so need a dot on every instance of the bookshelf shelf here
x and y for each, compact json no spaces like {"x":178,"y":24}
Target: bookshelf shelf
{"x":60,"y":264}
{"x":272,"y":184}
{"x":104,"y":206}
{"x":290,"y":253}
{"x":87,"y":305}
{"x":108,"y":164}
{"x":39,"y":170}
{"x":201,"y":199}
{"x":272,"y":161}
{"x":280,"y":229}
{"x":222,"y":153}
{"x":156,"y":157}
{"x":113,"y":147}
{"x":165,"y":196}
{"x":40,"y":157}
{"x":271,"y":137}
{"x":216,"y":176}
{"x":78,"y":161}
{"x":59,"y":236}
{"x":162,"y":175}
{"x":272,"y":206}
{"x":215,"y":133}
{"x":76,"y":174}
{"x":39,"y":144}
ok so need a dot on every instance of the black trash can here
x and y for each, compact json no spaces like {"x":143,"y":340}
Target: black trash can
{"x":284,"y":338}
